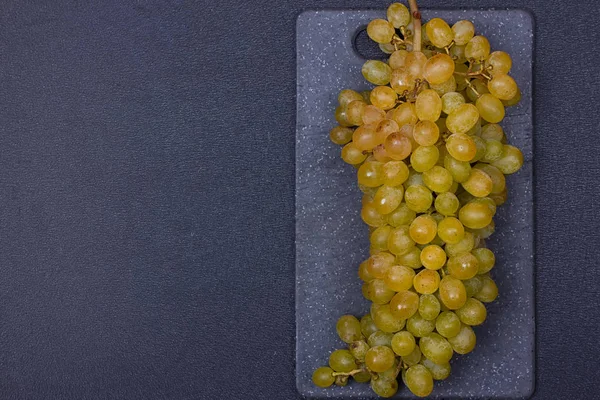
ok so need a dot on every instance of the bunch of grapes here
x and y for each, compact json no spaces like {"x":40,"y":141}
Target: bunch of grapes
{"x":431,"y":161}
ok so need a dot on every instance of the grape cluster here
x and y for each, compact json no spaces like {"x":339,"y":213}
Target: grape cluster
{"x":431,"y":160}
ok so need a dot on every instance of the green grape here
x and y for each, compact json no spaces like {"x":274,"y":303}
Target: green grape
{"x":415,"y":60}
{"x":398,"y":146}
{"x":457,"y":52}
{"x":372,"y":114}
{"x":411,"y":258}
{"x":419,"y":380}
{"x":402,"y":215}
{"x":494,"y":149}
{"x":500,"y":61}
{"x":380,"y":30}
{"x":439,"y":372}
{"x":423,"y":229}
{"x":348,"y":328}
{"x":413,"y":358}
{"x":452,"y":292}
{"x":404,"y":304}
{"x":446,"y":204}
{"x":341,"y":117}
{"x":370,"y":174}
{"x":399,"y":241}
{"x":379,"y":237}
{"x":371,"y":216}
{"x":486,"y":231}
{"x":429,"y":307}
{"x":380,"y":338}
{"x":464,"y":246}
{"x":347,"y":96}
{"x":511,"y":160}
{"x":490,"y":108}
{"x":386,"y":321}
{"x":403,"y":343}
{"x":352,"y":155}
{"x":486,"y":260}
{"x":463,"y":32}
{"x":465,"y":341}
{"x":424,"y":158}
{"x":476,"y":89}
{"x":362,"y":376}
{"x":475,"y":215}
{"x":436,"y":348}
{"x":463,"y":266}
{"x":439,"y":33}
{"x":383,"y":97}
{"x":401,"y":81}
{"x":388,"y":198}
{"x":478,"y":48}
{"x":448,"y":324}
{"x":452,"y":101}
{"x":433,"y":257}
{"x":398,"y":15}
{"x":493,"y":131}
{"x":503,"y":87}
{"x":438,"y":179}
{"x":414,"y":178}
{"x":378,"y":292}
{"x":384,"y":387}
{"x":379,"y":358}
{"x":399,"y":278}
{"x":379,"y":264}
{"x":418,"y":198}
{"x":461,"y":120}
{"x":377,"y":72}
{"x":428,"y":105}
{"x":425,"y":133}
{"x":514,"y":100}
{"x":488,"y":291}
{"x":397,"y":59}
{"x":460,"y":170}
{"x":419,"y":326}
{"x":472,"y":313}
{"x":354,"y":112}
{"x":448,"y":86}
{"x":363,"y":272}
{"x":366,"y":95}
{"x":395,"y":173}
{"x":405,"y":114}
{"x":341,"y":135}
{"x":473,"y":285}
{"x":342,"y":361}
{"x":387,"y":48}
{"x":460,"y":71}
{"x":323,"y":377}
{"x":385,"y":128}
{"x":451,"y":230}
{"x":367,"y":326}
{"x":438,"y":69}
{"x":479,"y":183}
{"x":427,"y":281}
{"x":359,"y":349}
{"x":499,"y":198}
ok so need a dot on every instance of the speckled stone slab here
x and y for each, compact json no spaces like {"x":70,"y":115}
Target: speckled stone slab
{"x":331,"y":239}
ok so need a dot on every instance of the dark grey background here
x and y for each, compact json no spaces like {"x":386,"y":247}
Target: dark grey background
{"x":147,"y":197}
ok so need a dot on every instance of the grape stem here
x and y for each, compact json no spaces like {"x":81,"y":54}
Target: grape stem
{"x":414,"y":10}
{"x":351,"y":373}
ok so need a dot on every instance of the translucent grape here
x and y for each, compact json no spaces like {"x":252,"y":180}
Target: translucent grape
{"x":401,"y":80}
{"x":473,"y":285}
{"x":380,"y":358}
{"x":480,"y":88}
{"x":380,"y":30}
{"x":403,"y":343}
{"x":464,"y":246}
{"x":424,"y":158}
{"x":503,"y":87}
{"x":367,"y":326}
{"x":436,"y":348}
{"x":423,"y":229}
{"x":463,"y":266}
{"x":451,"y":101}
{"x":438,"y":179}
{"x":370,"y":174}
{"x":463,"y":32}
{"x":447,"y":86}
{"x":438,"y":69}
{"x":494,"y":150}
{"x":472,"y":313}
{"x":448,"y":324}
{"x":428,"y":105}
{"x":397,"y":59}
{"x":398,"y":146}
{"x":401,"y":216}
{"x":323,"y":377}
{"x":378,"y":292}
{"x":414,"y":63}
{"x":461,"y":120}
{"x":400,"y":241}
{"x":485,"y":258}
{"x":383,"y":97}
{"x":340,"y":135}
{"x":457,"y":52}
{"x":501,"y":63}
{"x":439,"y":372}
{"x":380,"y":154}
{"x":348,"y":328}
{"x":465,"y":341}
{"x":478,"y":48}
{"x":395,"y":173}
{"x":479,"y":183}
{"x":379,"y":238}
{"x":419,"y":326}
{"x":451,"y":230}
{"x":379,"y":264}
{"x":452,"y":292}
{"x":418,"y":198}
{"x":514,"y":100}
{"x":439,"y":33}
{"x":490,"y":108}
{"x":399,"y":278}
{"x":404,"y":304}
{"x":384,"y":387}
{"x":342,"y":361}
{"x":347,"y":96}
{"x":371,"y":216}
{"x":433,"y":257}
{"x":379,"y":338}
{"x":362,"y":377}
{"x":425,"y":133}
{"x":410,"y":259}
{"x":372,"y":114}
{"x":388,"y":198}
{"x":460,"y":170}
{"x":386,"y":321}
{"x":387,"y":48}
{"x":488,"y":291}
{"x":341,"y":117}
{"x":475,"y":215}
{"x":364,"y":138}
{"x":405,"y":114}
{"x":493,"y":131}
{"x":363,"y":273}
{"x":511,"y":160}
{"x":419,"y":380}
{"x":377,"y":72}
{"x":352,"y":155}
{"x":385,"y":128}
{"x":427,"y":281}
{"x":398,"y":15}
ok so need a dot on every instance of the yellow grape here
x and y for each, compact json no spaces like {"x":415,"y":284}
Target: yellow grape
{"x":398,"y":146}
{"x":397,"y":59}
{"x":490,"y":108}
{"x":352,"y":155}
{"x":511,"y":160}
{"x":347,"y":96}
{"x":399,"y":241}
{"x":398,"y":15}
{"x":364,"y":138}
{"x":394,"y":173}
{"x":439,"y":33}
{"x":463,"y":32}
{"x":438,"y":179}
{"x":503,"y":87}
{"x":418,"y":198}
{"x":444,"y":87}
{"x":462,"y":119}
{"x":385,"y":128}
{"x":423,"y":229}
{"x":377,"y":72}
{"x":433,"y":257}
{"x":399,"y":277}
{"x":438,"y":68}
{"x":461,"y":147}
{"x":370,"y":174}
{"x":414,"y":63}
{"x":372,"y":114}
{"x":425,"y":133}
{"x":405,"y":114}
{"x":500,"y":61}
{"x":451,"y":230}
{"x":451,"y":101}
{"x":383,"y":97}
{"x":479,"y":184}
{"x":424,"y":158}
{"x":401,"y":80}
{"x":380,"y":30}
{"x":478,"y":48}
{"x":341,"y":117}
{"x":475,"y":215}
{"x":388,"y":198}
{"x":341,"y":135}
{"x":354,"y":112}
{"x":427,"y":281}
{"x":428,"y":105}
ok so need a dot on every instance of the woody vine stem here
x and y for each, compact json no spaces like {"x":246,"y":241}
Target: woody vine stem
{"x":414,"y":10}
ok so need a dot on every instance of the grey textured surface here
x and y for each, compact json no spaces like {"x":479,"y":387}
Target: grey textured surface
{"x":331,"y":239}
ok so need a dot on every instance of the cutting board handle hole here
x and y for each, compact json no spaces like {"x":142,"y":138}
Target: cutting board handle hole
{"x":365,"y":47}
